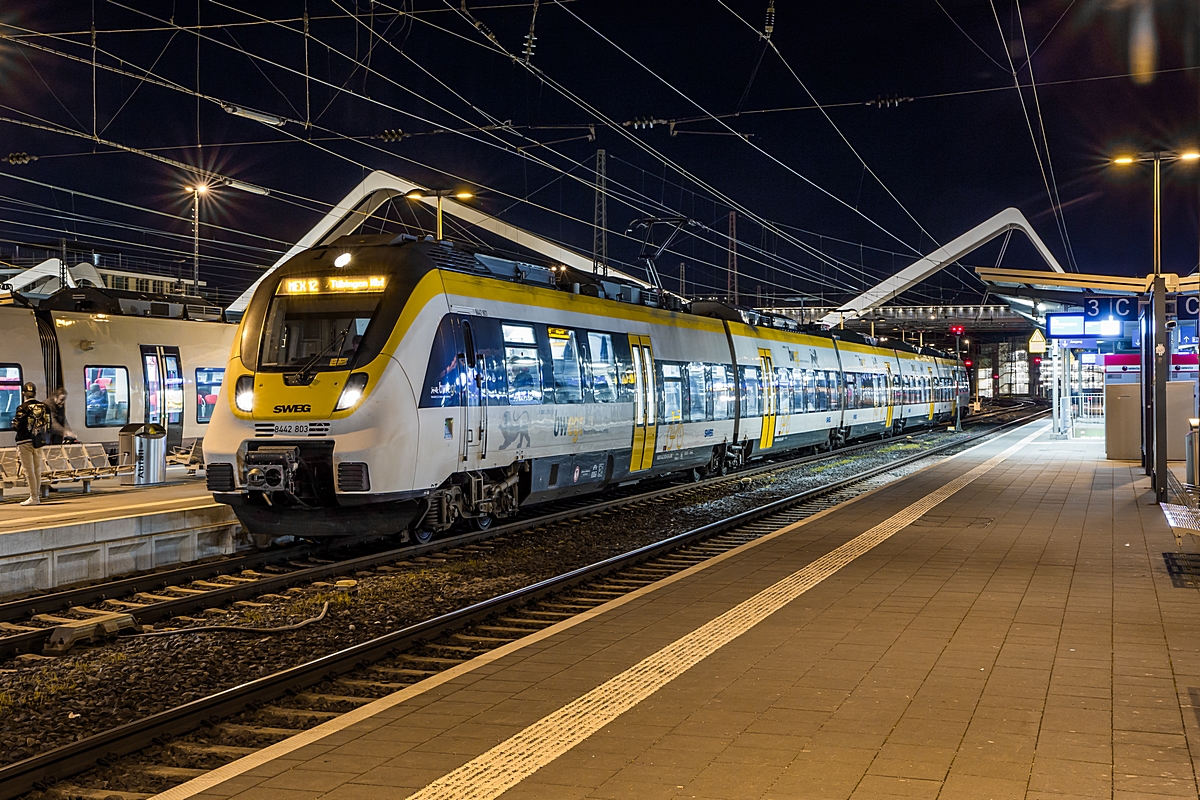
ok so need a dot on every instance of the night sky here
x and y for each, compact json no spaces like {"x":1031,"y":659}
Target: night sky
{"x":950,"y":142}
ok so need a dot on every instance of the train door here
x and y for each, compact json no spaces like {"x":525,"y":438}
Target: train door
{"x":770,"y":386}
{"x":931,"y":389}
{"x":474,"y":407}
{"x":645,"y":410}
{"x":890,"y":396}
{"x":163,"y":377}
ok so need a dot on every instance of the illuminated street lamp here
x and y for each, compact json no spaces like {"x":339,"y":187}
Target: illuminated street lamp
{"x":1157,"y":157}
{"x":197,"y":190}
{"x":421,"y":194}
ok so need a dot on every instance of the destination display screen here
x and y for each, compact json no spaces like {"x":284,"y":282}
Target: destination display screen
{"x":334,"y":284}
{"x":1062,"y":326}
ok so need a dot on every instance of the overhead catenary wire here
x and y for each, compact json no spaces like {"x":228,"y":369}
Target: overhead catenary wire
{"x":377,"y":102}
{"x":1056,"y":200}
{"x":1029,"y":124}
{"x":785,"y":238}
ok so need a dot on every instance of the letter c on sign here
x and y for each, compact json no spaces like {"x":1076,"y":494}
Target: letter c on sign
{"x":1121,"y":306}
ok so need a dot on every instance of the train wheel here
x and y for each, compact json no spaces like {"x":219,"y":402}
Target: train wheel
{"x":423,"y":536}
{"x":481,"y":523}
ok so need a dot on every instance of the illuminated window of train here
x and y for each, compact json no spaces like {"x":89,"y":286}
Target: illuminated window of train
{"x":10,"y":393}
{"x":523,"y":366}
{"x":783,"y":377}
{"x":564,"y":362}
{"x":106,"y":396}
{"x":672,"y":404}
{"x":208,"y":386}
{"x":603,"y":362}
{"x":697,"y":396}
{"x":751,"y":392}
{"x":722,"y":392}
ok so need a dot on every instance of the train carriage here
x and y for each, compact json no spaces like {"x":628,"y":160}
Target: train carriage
{"x":390,"y":385}
{"x":117,"y":368}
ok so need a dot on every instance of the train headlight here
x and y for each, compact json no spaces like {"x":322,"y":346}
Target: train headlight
{"x":352,"y":392}
{"x":243,"y":396}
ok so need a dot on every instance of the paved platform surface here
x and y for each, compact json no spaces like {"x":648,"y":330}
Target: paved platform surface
{"x":1020,"y":639}
{"x":108,"y":499}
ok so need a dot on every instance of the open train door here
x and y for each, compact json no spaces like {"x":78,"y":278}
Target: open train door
{"x":163,"y":376}
{"x":645,"y":410}
{"x":770,"y":386}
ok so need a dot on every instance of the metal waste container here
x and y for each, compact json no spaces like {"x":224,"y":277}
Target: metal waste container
{"x":144,"y":447}
{"x":1192,"y":454}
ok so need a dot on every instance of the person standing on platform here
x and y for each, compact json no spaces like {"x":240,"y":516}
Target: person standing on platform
{"x":32,"y":425}
{"x":60,"y":429}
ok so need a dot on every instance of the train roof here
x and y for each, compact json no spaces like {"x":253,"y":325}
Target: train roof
{"x":117,"y":302}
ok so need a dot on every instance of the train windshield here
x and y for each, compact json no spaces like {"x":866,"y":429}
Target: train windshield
{"x":323,"y":328}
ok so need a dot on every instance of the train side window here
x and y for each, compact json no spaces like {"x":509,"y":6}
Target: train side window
{"x":523,"y":365}
{"x":603,"y":361}
{"x":697,"y":396}
{"x":784,"y":379}
{"x":751,"y":392}
{"x":722,"y":393}
{"x":106,"y":396}
{"x":672,"y":393}
{"x":441,"y":376}
{"x":208,"y":387}
{"x":10,"y":393}
{"x":564,"y":362}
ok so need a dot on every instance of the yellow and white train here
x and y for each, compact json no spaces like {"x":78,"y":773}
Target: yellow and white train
{"x":396,"y":385}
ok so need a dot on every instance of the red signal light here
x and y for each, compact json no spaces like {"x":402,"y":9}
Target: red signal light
{"x":968,"y":363}
{"x":956,"y":330}
{"x":1037,"y":360}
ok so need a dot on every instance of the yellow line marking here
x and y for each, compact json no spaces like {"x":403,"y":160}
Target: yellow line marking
{"x":281,"y":749}
{"x":512,"y":761}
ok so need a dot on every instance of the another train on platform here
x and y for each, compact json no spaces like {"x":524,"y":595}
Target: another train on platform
{"x":123,"y":357}
{"x":393,"y":385}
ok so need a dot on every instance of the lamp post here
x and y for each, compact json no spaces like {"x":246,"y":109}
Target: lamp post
{"x":200,"y":189}
{"x":197,"y":191}
{"x":1155,"y":362}
{"x":1156,"y":158}
{"x":421,"y":194}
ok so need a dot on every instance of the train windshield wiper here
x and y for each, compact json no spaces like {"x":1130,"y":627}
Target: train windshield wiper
{"x":304,"y":375}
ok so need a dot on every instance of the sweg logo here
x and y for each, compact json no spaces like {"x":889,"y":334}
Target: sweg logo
{"x":298,"y":408}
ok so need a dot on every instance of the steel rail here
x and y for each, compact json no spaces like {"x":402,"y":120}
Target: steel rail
{"x":44,"y":770}
{"x":31,"y":641}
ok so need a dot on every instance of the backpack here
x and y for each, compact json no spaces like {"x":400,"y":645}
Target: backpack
{"x":39,"y":419}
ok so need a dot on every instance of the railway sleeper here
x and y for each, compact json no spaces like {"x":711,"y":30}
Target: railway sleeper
{"x":241,"y":729}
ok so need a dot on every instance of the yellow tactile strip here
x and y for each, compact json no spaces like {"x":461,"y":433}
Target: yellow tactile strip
{"x":281,"y":749}
{"x":511,"y":761}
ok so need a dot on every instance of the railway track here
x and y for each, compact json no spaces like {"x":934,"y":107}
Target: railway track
{"x":185,"y":741}
{"x":53,"y":623}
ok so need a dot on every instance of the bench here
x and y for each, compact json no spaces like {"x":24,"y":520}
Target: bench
{"x":1182,"y":519}
{"x":61,"y":463}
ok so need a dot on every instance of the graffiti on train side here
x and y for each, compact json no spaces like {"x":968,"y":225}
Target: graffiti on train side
{"x":514,"y":427}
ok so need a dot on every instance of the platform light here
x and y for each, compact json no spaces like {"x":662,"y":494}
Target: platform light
{"x":342,"y":260}
{"x":1190,"y":155}
{"x":1123,"y":160}
{"x":243,"y":395}
{"x":352,"y":392}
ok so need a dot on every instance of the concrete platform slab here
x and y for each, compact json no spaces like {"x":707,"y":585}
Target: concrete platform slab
{"x":75,"y":537}
{"x":1001,"y":624}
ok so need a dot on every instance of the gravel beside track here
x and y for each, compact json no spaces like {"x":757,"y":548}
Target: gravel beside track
{"x":48,"y":703}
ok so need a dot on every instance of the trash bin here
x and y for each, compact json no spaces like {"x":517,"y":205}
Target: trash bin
{"x":144,"y":447}
{"x":1192,"y":455}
